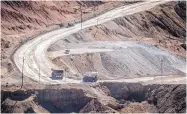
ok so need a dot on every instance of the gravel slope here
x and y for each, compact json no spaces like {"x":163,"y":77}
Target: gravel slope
{"x":118,"y":60}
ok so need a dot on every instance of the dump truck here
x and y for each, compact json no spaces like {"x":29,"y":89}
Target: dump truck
{"x":67,"y":51}
{"x":57,"y":74}
{"x":90,"y":77}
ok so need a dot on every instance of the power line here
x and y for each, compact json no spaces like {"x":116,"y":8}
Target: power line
{"x":22,"y":73}
{"x":97,"y":17}
{"x":39,"y":72}
{"x":97,"y":25}
{"x":161,"y":64}
{"x":65,"y":73}
{"x":97,"y":21}
{"x":161,"y":68}
{"x":81,"y":15}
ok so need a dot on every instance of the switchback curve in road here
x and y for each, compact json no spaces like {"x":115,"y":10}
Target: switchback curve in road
{"x":34,"y":51}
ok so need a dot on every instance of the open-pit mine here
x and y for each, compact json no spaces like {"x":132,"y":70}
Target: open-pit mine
{"x":93,"y":56}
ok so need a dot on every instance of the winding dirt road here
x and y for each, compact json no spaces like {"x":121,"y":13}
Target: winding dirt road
{"x":34,"y":51}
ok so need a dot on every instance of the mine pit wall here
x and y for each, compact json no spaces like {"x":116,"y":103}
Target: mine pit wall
{"x":129,"y":91}
{"x":68,"y":100}
{"x":166,"y":98}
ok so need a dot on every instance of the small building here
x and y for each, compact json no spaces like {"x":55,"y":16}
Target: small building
{"x":57,"y":74}
{"x":90,"y":77}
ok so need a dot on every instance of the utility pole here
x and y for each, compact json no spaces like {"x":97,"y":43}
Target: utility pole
{"x":97,"y":25}
{"x":95,"y":13}
{"x":161,"y":67}
{"x":97,"y":17}
{"x":81,"y":15}
{"x":97,"y":21}
{"x":22,"y":72}
{"x":65,"y":72}
{"x":39,"y":72}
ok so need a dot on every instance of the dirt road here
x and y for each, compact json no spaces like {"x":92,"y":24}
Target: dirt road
{"x":34,"y":51}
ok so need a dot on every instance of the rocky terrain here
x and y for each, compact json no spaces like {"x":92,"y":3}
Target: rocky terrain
{"x":137,"y":57}
{"x":162,"y":28}
{"x":121,"y":62}
{"x":95,"y":98}
{"x":19,"y":17}
{"x":22,"y":21}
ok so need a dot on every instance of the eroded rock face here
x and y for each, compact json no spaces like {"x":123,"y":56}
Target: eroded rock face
{"x":58,"y":98}
{"x":127,"y":91}
{"x":94,"y":106}
{"x":166,"y":20}
{"x":166,"y":98}
{"x":68,"y":100}
{"x":54,"y":99}
{"x":180,"y":8}
{"x":98,"y":98}
{"x":136,"y":107}
{"x":169,"y":98}
{"x":13,"y":106}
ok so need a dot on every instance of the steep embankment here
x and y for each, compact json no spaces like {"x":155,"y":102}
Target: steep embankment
{"x":24,"y":16}
{"x":159,"y":25}
{"x":126,"y":60}
{"x":162,"y":27}
{"x":103,"y":97}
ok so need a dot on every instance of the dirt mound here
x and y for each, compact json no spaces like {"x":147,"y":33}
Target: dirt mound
{"x":127,"y":60}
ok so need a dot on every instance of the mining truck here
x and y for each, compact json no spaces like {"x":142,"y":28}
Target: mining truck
{"x":67,"y":51}
{"x":57,"y":74}
{"x":90,"y":77}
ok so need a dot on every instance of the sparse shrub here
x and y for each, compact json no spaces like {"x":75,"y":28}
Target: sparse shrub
{"x":61,"y":25}
{"x":21,"y":41}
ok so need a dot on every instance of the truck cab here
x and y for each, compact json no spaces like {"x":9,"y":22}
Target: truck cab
{"x":90,"y":77}
{"x":57,"y":74}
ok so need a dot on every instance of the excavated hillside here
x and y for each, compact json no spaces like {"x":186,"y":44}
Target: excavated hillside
{"x":95,"y":98}
{"x":24,"y":20}
{"x":21,"y":17}
{"x":126,"y":47}
{"x":163,"y":28}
